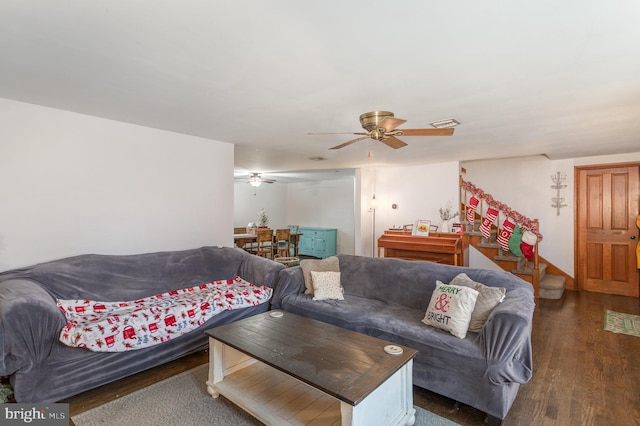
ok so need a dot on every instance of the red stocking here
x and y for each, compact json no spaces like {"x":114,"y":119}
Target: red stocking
{"x":505,"y":234}
{"x":485,"y":227}
{"x":471,"y":210}
{"x":529,"y":240}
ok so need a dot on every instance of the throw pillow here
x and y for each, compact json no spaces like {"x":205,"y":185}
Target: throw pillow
{"x":450,"y":308}
{"x":326,"y":285}
{"x":488,"y":299}
{"x":320,"y":265}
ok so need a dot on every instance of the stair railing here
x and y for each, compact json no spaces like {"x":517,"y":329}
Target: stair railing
{"x":525,"y":223}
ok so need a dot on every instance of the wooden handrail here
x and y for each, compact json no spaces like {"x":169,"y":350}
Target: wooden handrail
{"x":532,"y":225}
{"x":524,"y":222}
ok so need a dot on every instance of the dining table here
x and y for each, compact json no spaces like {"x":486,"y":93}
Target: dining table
{"x":246,"y":238}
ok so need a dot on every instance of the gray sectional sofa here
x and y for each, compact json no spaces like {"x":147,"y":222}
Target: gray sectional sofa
{"x":44,"y":370}
{"x":388,"y":298}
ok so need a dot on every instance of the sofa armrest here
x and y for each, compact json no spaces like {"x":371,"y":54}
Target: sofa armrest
{"x":290,"y":281}
{"x":30,"y":325}
{"x":506,"y":339}
{"x":259,"y":270}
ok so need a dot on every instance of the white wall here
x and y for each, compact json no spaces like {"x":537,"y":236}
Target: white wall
{"x":73,"y":184}
{"x":419,"y":192}
{"x":365,"y":237}
{"x":325,"y":204}
{"x":249,"y":200}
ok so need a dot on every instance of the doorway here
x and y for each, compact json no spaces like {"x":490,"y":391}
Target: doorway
{"x":607,"y":205}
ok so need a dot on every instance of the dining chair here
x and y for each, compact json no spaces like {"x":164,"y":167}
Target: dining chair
{"x":265,"y":242}
{"x":283,"y":242}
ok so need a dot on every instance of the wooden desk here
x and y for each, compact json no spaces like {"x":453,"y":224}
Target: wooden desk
{"x":242,"y":239}
{"x":437,"y":247}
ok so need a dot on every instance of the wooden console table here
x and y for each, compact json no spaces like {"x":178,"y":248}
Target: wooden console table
{"x":438,"y":247}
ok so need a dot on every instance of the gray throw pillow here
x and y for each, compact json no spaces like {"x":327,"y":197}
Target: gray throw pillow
{"x":488,"y":299}
{"x":330,"y":264}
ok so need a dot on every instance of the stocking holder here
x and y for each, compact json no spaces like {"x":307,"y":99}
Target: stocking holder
{"x":558,"y":184}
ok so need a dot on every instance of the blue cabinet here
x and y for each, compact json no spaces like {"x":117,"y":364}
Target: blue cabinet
{"x":317,"y":242}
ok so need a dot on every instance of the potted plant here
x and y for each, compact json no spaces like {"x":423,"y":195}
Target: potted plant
{"x":446,"y":216}
{"x":263,"y":218}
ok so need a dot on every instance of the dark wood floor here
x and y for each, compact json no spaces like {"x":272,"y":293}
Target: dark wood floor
{"x":583,"y":375}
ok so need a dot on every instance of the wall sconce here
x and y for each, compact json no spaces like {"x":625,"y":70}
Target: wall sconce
{"x":558,"y":184}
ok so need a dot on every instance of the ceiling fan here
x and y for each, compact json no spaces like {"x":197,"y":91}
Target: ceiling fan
{"x":381,"y":126}
{"x":256,"y":180}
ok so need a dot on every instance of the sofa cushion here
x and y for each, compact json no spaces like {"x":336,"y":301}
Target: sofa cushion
{"x":450,"y":308}
{"x":320,"y":265}
{"x":352,"y":312}
{"x":391,"y":322}
{"x":326,"y":285}
{"x":488,"y":298}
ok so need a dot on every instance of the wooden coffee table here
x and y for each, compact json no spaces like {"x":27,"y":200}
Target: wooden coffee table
{"x":296,"y":370}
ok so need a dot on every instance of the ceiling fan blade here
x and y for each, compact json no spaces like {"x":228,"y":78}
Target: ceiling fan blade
{"x":426,"y":132}
{"x":393,"y":142}
{"x":390,"y":123}
{"x":342,"y":145}
{"x":339,"y":133}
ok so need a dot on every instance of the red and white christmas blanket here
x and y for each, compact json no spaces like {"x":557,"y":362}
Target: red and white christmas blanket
{"x":125,"y":326}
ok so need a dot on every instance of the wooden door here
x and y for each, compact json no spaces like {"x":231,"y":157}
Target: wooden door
{"x":607,"y":207}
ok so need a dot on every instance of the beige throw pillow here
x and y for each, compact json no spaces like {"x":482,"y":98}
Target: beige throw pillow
{"x":450,"y":308}
{"x":488,"y":299}
{"x":326,"y":285}
{"x":320,"y":265}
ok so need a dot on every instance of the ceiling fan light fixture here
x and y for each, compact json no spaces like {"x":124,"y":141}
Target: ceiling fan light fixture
{"x":370,"y":120}
{"x":443,"y":124}
{"x":255,"y":181}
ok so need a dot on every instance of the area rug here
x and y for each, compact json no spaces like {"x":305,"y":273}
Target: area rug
{"x":618,"y":322}
{"x":5,"y":392}
{"x":183,"y":400}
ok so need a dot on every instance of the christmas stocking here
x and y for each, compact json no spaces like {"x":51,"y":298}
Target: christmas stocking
{"x":471,"y":210}
{"x":529,"y":240}
{"x":516,"y":241}
{"x":485,"y":227}
{"x":505,"y":234}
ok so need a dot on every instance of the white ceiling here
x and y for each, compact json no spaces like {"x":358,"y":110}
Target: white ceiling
{"x":560,"y":78}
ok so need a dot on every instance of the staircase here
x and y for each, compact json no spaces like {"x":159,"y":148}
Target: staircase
{"x":546,"y":285}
